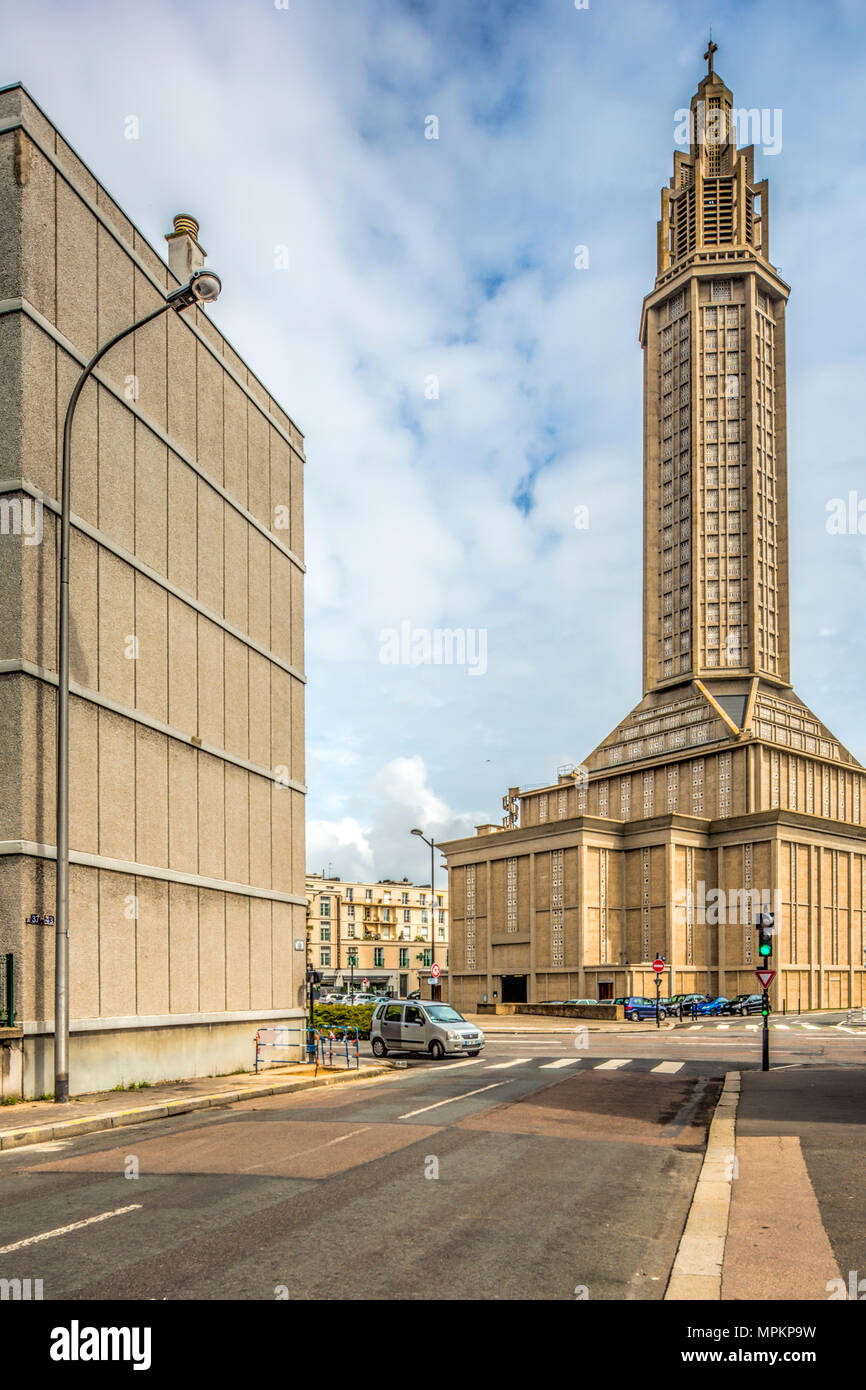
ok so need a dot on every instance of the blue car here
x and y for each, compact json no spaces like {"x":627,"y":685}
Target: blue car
{"x":712,"y":1007}
{"x":637,"y":1008}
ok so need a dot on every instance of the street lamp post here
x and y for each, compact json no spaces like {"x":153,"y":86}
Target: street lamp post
{"x":432,"y":845}
{"x":203,"y":288}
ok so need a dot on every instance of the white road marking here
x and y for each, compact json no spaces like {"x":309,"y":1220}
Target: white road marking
{"x":813,"y":1026}
{"x":612,"y":1063}
{"x":723,"y":1025}
{"x":452,"y":1066}
{"x":669,"y":1067}
{"x":64,"y":1230}
{"x":696,"y":1027}
{"x":560,"y":1062}
{"x":751,"y":1027}
{"x":784,"y":1026}
{"x":843,"y":1029}
{"x":450,"y":1101}
{"x":500,"y":1066}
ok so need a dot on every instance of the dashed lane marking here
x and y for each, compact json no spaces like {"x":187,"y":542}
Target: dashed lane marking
{"x":64,"y":1230}
{"x":450,"y":1101}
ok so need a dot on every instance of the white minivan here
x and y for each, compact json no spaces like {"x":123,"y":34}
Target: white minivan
{"x":422,"y":1025}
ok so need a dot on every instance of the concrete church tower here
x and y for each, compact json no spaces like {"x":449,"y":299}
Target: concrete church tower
{"x":720,"y":789}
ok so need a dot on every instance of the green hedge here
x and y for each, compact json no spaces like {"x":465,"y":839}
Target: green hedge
{"x":352,"y":1016}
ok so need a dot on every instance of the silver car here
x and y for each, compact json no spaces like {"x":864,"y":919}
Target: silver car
{"x":413,"y":1025}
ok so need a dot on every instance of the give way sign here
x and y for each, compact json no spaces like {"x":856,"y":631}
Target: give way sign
{"x":766,"y":977}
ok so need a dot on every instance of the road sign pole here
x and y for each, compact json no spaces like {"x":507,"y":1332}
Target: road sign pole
{"x":765,"y":1035}
{"x":658,"y":992}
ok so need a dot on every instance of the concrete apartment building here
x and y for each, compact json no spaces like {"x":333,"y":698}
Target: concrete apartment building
{"x":721,"y":790}
{"x":380,"y":932}
{"x":187,"y":917}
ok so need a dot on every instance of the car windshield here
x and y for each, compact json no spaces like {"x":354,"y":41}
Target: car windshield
{"x":443,"y":1013}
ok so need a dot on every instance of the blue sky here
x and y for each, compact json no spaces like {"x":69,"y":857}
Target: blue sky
{"x":412,"y":258}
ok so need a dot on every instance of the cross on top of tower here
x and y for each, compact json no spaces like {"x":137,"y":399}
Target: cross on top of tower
{"x":711,"y":49}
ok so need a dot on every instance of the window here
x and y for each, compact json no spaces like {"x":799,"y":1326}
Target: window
{"x":386,"y":914}
{"x":326,"y":932}
{"x":350,"y":893}
{"x":353,"y":957}
{"x":350,"y":910}
{"x":440,"y":934}
{"x":424,"y":915}
{"x":325,"y":908}
{"x":325,"y":955}
{"x":379,"y":956}
{"x":404,"y":898}
{"x":414,"y":1015}
{"x":368,"y":895}
{"x":441,"y":916}
{"x":407,"y":915}
{"x":404,"y":957}
{"x":393,"y":1013}
{"x":387,"y":897}
{"x":422,"y":899}
{"x":427,"y":958}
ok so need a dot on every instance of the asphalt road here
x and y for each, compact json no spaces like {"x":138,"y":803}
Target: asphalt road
{"x":534,"y":1171}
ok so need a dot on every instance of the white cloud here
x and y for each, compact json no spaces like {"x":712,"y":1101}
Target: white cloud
{"x":410,"y":257}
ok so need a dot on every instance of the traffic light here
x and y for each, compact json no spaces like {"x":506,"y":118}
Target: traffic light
{"x":766,"y":929}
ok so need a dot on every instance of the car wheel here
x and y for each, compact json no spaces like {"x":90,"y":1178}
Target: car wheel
{"x":379,"y":1048}
{"x":437,"y":1051}
{"x":663,"y":1013}
{"x":743,"y":1011}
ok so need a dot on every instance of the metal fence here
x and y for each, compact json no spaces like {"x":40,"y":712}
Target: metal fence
{"x":7,"y":990}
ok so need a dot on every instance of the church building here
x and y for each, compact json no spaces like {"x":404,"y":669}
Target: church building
{"x":721,"y":794}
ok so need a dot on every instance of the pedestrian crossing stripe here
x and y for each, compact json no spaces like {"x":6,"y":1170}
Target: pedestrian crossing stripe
{"x":560,"y":1062}
{"x":613,"y":1062}
{"x":669,"y":1067}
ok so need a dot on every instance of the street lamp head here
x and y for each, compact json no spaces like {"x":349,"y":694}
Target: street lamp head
{"x":203,"y":288}
{"x":418,"y":832}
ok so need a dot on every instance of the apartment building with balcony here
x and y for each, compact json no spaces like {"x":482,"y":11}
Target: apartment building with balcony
{"x":388,"y":933}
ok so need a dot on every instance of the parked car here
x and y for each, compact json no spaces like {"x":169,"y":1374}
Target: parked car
{"x":552,"y":1001}
{"x":404,"y":1025}
{"x":681,"y":1004}
{"x":636,"y":1008}
{"x":711,"y":1007}
{"x":743,"y":1004}
{"x":581,"y":1001}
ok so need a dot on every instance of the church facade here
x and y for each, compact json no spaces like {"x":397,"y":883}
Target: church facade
{"x":721,"y":794}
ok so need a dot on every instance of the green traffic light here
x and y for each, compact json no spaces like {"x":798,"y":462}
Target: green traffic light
{"x":765,"y":949}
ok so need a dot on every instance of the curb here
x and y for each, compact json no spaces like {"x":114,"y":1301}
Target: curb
{"x":115,"y":1119}
{"x":697,"y":1269}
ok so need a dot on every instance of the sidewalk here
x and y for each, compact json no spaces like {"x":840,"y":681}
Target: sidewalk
{"x":40,"y":1121}
{"x":779,"y":1210}
{"x":798,"y":1204}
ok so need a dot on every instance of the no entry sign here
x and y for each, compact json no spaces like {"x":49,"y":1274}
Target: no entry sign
{"x":658,"y":965}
